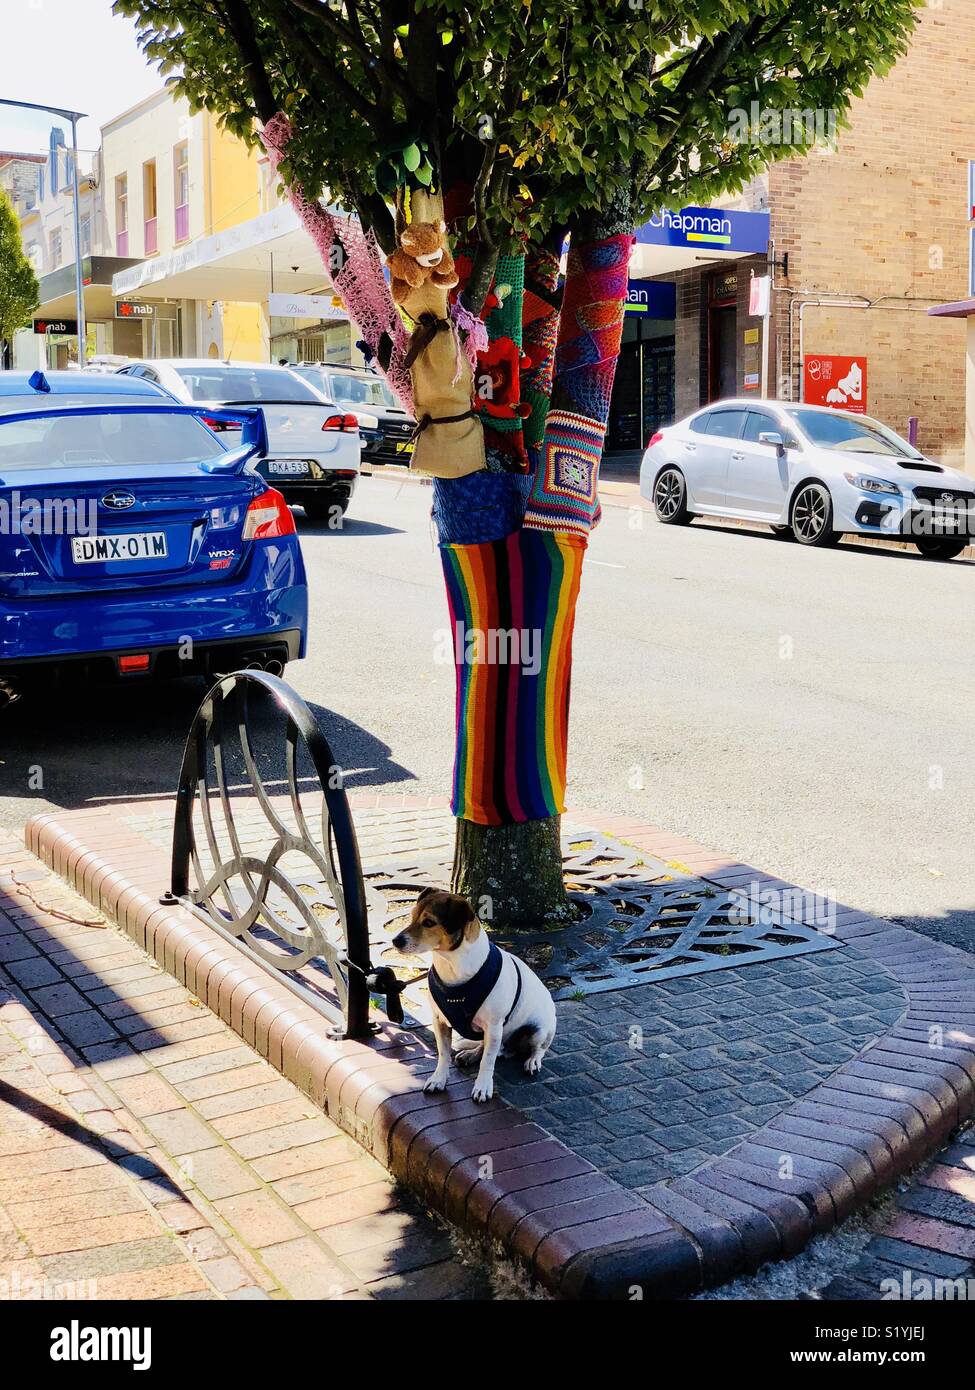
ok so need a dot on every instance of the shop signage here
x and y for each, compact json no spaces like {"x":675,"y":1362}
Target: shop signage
{"x":751,"y":335}
{"x":837,"y":381}
{"x":305,"y":306}
{"x":752,"y":381}
{"x":720,"y":228}
{"x":654,"y":299}
{"x":129,"y":309}
{"x":759,"y":296}
{"x":68,"y":327}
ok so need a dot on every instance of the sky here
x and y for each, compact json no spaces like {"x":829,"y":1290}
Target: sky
{"x":75,"y":54}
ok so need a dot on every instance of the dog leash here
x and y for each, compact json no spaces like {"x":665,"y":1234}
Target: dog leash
{"x":382,"y":980}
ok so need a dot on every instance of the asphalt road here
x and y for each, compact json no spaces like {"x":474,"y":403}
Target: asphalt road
{"x":808,"y":711}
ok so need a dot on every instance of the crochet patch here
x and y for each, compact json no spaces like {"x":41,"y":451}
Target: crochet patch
{"x":565,"y":496}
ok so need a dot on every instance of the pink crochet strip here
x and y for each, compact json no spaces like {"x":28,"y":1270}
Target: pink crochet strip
{"x":360,"y":284}
{"x":473,"y":333}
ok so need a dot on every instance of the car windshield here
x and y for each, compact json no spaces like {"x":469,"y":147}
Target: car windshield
{"x":851,"y":434}
{"x":240,"y":385}
{"x":130,"y":437}
{"x":359,"y":390}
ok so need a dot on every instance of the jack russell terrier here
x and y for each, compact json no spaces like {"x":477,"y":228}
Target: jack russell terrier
{"x":489,"y":997}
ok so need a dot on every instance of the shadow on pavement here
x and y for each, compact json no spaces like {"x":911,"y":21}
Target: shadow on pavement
{"x":83,"y":745}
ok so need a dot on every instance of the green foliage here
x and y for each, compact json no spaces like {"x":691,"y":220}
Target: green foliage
{"x":19,"y":292}
{"x":560,"y":108}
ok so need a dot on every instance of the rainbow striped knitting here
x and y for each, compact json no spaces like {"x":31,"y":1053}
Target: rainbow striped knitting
{"x":512,"y":608}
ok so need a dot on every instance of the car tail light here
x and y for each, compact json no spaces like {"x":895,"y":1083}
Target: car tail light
{"x":655,"y":439}
{"x":218,"y":426}
{"x":268,"y":516}
{"x":128,"y":664}
{"x":341,"y":422}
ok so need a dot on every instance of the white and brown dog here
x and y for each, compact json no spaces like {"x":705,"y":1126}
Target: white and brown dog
{"x":491,"y":998}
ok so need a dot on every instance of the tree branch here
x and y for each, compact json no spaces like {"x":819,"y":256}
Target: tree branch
{"x":240,"y":22}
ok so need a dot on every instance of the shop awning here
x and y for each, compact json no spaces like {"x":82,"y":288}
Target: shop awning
{"x":960,"y":309}
{"x":242,"y":264}
{"x":57,"y":289}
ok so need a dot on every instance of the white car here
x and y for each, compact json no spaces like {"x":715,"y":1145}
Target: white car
{"x":809,"y":472}
{"x":314,"y":447}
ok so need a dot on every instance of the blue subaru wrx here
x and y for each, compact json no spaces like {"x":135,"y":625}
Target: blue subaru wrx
{"x":133,"y":543}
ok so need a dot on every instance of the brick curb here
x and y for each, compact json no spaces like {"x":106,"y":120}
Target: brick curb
{"x":580,"y":1233}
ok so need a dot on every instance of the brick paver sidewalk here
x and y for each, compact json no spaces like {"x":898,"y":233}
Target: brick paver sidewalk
{"x":145,"y":1152}
{"x":929,"y":1237}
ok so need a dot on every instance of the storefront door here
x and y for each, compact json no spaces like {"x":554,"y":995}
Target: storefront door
{"x":722,"y":336}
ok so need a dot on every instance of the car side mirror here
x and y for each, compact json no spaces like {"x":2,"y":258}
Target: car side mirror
{"x":775,"y":439}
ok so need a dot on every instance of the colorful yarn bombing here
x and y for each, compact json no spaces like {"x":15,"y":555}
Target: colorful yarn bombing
{"x":540,"y":328}
{"x":564,"y":493}
{"x":513,"y":599}
{"x":359,"y":283}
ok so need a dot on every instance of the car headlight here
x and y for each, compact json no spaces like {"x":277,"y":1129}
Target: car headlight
{"x":867,"y":484}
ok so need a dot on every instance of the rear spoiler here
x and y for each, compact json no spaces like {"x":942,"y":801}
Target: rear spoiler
{"x":253,"y":434}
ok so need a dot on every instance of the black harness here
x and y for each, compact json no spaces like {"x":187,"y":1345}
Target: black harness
{"x":459,"y":1003}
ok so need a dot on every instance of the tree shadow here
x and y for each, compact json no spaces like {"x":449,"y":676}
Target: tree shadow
{"x":83,"y":745}
{"x":351,"y":526}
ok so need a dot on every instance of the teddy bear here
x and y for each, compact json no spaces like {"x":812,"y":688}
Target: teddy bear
{"x":422,"y":254}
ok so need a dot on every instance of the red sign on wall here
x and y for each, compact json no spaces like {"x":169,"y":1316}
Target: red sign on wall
{"x":837,"y":381}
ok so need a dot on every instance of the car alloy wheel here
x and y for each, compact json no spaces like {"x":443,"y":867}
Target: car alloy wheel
{"x":669,"y":498}
{"x":812,"y":516}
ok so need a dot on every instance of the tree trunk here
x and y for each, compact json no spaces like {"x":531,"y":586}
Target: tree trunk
{"x":512,"y":874}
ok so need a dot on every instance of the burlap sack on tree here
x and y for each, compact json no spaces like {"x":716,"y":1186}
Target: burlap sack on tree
{"x":450,"y":442}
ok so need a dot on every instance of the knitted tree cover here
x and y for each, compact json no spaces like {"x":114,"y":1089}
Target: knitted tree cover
{"x":356,"y":272}
{"x":540,"y":327}
{"x":512,"y":607}
{"x":564,"y":494}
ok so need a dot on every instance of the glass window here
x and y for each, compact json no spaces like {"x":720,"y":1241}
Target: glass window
{"x":759,"y":423}
{"x":856,"y":434}
{"x":55,"y":240}
{"x":243,"y":385}
{"x":358,"y":390}
{"x":726,"y":423}
{"x":122,"y":203}
{"x":129,"y":437}
{"x":700,"y":423}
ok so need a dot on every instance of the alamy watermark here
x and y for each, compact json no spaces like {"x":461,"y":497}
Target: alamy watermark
{"x":786,"y":125}
{"x":757,"y":902}
{"x":48,"y":516}
{"x":491,"y":646}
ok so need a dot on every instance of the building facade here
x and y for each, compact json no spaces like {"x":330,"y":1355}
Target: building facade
{"x":867,"y":233}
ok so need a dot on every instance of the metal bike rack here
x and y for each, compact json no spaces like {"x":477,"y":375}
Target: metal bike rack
{"x":248,"y":898}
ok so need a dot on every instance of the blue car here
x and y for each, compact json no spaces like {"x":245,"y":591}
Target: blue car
{"x":133,"y":543}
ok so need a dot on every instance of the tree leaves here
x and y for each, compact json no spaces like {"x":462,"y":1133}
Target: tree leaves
{"x":19,"y":290}
{"x":582,"y":100}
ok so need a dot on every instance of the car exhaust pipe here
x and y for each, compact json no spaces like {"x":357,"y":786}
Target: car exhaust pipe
{"x":10,"y":692}
{"x":274,"y":667}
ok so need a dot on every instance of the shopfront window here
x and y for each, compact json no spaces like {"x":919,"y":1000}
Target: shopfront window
{"x":181,"y":190}
{"x":122,"y":215}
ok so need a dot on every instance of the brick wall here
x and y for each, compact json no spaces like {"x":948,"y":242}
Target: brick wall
{"x":884,"y":218}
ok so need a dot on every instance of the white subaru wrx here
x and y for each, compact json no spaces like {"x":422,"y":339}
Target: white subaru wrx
{"x":809,"y":472}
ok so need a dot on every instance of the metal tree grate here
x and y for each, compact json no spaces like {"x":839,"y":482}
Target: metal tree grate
{"x":642,"y":920}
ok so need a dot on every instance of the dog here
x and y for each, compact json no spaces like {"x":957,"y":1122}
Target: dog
{"x":487,"y":995}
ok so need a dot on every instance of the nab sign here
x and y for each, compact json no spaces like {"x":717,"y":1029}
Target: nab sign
{"x":129,"y":309}
{"x":62,"y":327}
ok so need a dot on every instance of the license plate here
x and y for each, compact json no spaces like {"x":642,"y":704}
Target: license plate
{"x":293,"y":468}
{"x":135,"y":545}
{"x":406,"y":447}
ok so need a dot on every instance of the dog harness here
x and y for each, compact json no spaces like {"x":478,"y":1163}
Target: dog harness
{"x":459,"y":1003}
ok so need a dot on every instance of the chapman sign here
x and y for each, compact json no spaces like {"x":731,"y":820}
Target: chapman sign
{"x":723,"y":229}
